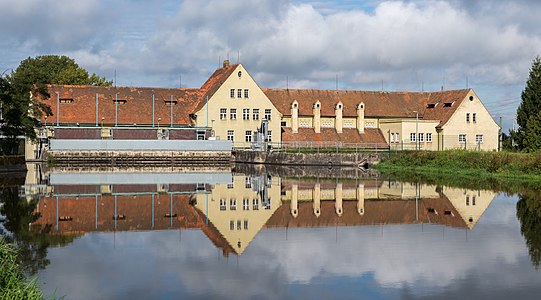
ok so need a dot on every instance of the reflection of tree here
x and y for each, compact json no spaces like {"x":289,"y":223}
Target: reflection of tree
{"x":529,"y":215}
{"x":32,"y":240}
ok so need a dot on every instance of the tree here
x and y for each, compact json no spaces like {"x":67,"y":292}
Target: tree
{"x":529,"y":107}
{"x":529,"y":215}
{"x":21,"y":90}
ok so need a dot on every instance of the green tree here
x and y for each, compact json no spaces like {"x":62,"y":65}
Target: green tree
{"x":21,"y":91}
{"x":529,"y":107}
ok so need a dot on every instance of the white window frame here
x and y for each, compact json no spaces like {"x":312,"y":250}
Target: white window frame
{"x":246,"y":114}
{"x":255,"y":204}
{"x":413,"y":137}
{"x":479,"y":139}
{"x":239,"y":93}
{"x":462,"y":138}
{"x":232,"y":204}
{"x":429,"y":137}
{"x":269,"y":136}
{"x":232,"y":93}
{"x":231,"y":135}
{"x":467,"y":117}
{"x":421,"y":137}
{"x":255,"y":114}
{"x":246,"y":93}
{"x":233,"y":113}
{"x":223,"y":204}
{"x":248,"y":136}
{"x":223,"y":113}
{"x":268,"y":114}
{"x":245,"y":204}
{"x":392,"y":137}
{"x":474,"y":118}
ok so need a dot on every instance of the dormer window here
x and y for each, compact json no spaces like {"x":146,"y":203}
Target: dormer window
{"x":294,"y":105}
{"x":447,"y":104}
{"x":170,"y":102}
{"x":65,"y":100}
{"x":339,"y":106}
{"x":431,"y":105}
{"x":317,"y":105}
{"x":119,"y":101}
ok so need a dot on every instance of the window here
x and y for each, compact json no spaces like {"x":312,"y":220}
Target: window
{"x":232,"y":93}
{"x":269,"y":136}
{"x":412,"y":137}
{"x":392,"y":137}
{"x":201,"y":134}
{"x":245,"y":93}
{"x":230,"y":185}
{"x":283,"y":124}
{"x":238,"y":225}
{"x":267,"y":205}
{"x":245,"y":224}
{"x":233,"y":114}
{"x":397,"y":137}
{"x":223,"y":113}
{"x":474,"y":119}
{"x":248,"y":183}
{"x":468,"y":118}
{"x":223,"y":204}
{"x":255,"y":115}
{"x":246,"y":114}
{"x":248,"y":135}
{"x":431,"y":105}
{"x":267,"y":114}
{"x":448,"y":104}
{"x":467,"y":200}
{"x":462,"y":138}
{"x":421,"y":137}
{"x":255,"y":204}
{"x":231,"y":225}
{"x":239,"y":93}
{"x":472,"y":200}
{"x":233,"y":204}
{"x":245,"y":204}
{"x":230,"y":135}
{"x":69,"y":100}
{"x":429,"y":137}
{"x":479,"y":139}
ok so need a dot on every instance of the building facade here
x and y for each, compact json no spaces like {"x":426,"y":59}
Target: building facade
{"x":231,"y":106}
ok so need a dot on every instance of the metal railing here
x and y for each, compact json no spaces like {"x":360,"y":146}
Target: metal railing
{"x":316,"y":146}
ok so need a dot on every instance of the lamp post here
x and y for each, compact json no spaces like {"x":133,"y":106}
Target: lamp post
{"x":159,"y":119}
{"x":416,"y":130}
{"x":102,"y":119}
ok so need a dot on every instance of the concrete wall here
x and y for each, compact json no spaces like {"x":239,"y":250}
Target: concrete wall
{"x":138,"y":145}
{"x":313,"y":159}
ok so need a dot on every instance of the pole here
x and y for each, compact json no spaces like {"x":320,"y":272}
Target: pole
{"x":500,"y":136}
{"x":171,"y":112}
{"x":207,"y":111}
{"x":116,"y":110}
{"x":96,"y":109}
{"x":57,"y":109}
{"x":152,"y":110}
{"x":416,"y":130}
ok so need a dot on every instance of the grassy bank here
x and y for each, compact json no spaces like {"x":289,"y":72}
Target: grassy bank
{"x":13,"y":284}
{"x":476,"y":166}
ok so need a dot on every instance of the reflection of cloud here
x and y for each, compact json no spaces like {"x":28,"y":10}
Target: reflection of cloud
{"x":423,"y":260}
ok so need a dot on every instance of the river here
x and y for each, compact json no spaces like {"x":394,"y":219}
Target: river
{"x":199,"y":234}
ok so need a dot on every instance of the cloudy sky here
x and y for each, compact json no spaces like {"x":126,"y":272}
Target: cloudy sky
{"x":408,"y":45}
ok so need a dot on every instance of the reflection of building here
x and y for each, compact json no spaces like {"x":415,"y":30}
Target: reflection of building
{"x":232,"y":213}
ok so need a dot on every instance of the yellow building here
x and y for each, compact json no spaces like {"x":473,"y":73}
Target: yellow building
{"x":231,"y":106}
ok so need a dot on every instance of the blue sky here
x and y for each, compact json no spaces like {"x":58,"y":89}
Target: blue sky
{"x":407,"y":45}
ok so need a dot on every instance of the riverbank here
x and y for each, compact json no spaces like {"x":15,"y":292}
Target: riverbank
{"x":464,"y":165}
{"x":13,"y":284}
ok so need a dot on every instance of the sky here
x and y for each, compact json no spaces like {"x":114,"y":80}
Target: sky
{"x":408,"y":45}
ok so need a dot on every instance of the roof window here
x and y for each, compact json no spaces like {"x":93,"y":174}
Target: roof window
{"x":171,"y":102}
{"x":447,"y":104}
{"x":119,"y":101}
{"x":431,"y":105}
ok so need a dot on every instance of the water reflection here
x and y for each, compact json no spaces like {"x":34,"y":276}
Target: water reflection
{"x":232,"y":209}
{"x":166,"y":234}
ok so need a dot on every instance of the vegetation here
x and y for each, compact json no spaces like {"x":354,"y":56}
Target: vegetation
{"x":13,"y":284}
{"x":529,"y":215}
{"x":528,"y":136}
{"x":469,"y":164}
{"x":20,"y":91}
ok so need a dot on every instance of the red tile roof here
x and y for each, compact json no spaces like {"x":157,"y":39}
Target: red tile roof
{"x":137,"y":108}
{"x":377,"y":104}
{"x":348,"y":135}
{"x":213,"y":84}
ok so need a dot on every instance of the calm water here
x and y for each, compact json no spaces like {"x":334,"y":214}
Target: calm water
{"x":232,"y":236}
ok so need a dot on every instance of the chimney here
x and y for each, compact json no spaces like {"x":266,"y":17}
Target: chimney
{"x":317,"y":117}
{"x":226,"y":63}
{"x":295,"y":117}
{"x":360,"y":117}
{"x":338,"y":117}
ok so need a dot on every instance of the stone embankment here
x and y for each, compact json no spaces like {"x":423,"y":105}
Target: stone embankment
{"x":356,"y":160}
{"x":125,"y":159}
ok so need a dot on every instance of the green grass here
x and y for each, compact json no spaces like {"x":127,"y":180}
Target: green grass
{"x":503,"y":171}
{"x":13,"y":284}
